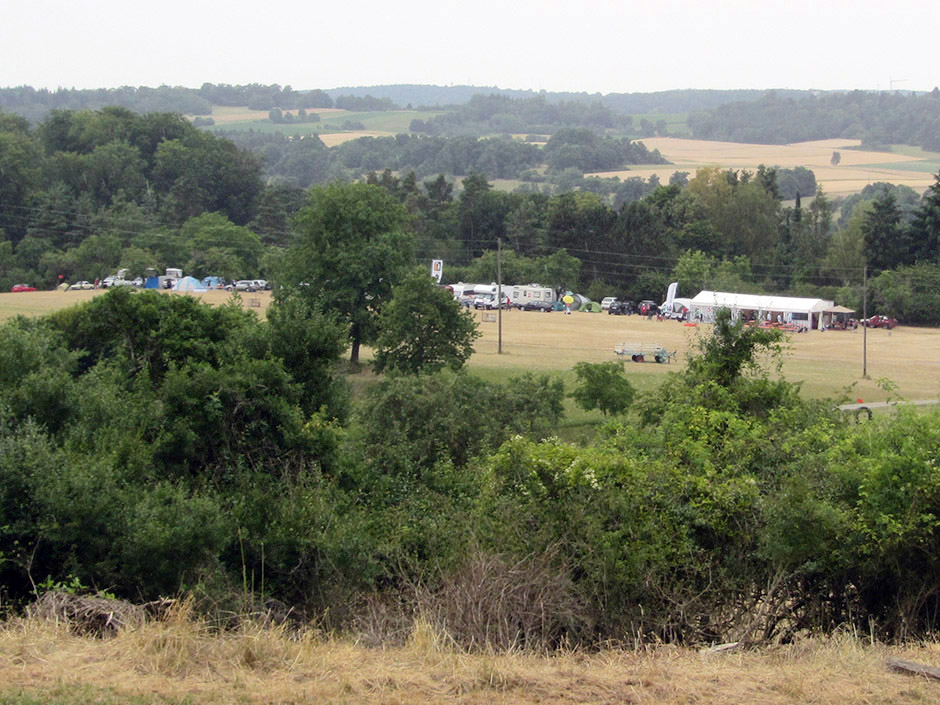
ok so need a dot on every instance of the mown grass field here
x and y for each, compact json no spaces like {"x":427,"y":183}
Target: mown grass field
{"x":828,"y":364}
{"x":390,"y":122}
{"x":180,"y":662}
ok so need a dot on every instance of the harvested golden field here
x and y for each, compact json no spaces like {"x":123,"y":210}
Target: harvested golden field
{"x":856,"y":170}
{"x":332,"y":139}
{"x":180,"y":661}
{"x":224,"y":115}
{"x":827,"y":363}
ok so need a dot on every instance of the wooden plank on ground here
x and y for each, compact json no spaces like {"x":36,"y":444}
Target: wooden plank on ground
{"x":914,"y":668}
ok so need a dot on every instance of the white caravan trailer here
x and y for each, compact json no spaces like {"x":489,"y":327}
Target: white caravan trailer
{"x":521,"y":294}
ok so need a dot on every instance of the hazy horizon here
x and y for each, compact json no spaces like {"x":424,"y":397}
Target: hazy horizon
{"x":599,"y":46}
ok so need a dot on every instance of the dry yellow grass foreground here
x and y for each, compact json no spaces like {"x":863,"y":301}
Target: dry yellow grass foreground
{"x":180,"y":660}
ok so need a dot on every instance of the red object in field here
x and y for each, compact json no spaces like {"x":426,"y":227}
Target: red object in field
{"x":22,"y":287}
{"x":859,"y":401}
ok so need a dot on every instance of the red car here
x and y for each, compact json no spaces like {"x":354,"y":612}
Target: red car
{"x":881,"y":322}
{"x":22,"y":287}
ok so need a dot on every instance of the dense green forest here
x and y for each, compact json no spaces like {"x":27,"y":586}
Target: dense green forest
{"x":876,"y":119}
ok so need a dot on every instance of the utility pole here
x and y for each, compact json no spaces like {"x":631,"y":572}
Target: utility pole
{"x":499,"y":295}
{"x":864,"y":323}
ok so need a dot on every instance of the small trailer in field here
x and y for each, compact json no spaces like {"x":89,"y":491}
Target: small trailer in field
{"x":644,"y":352}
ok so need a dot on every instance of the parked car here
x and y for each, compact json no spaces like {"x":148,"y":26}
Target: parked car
{"x":620,"y":308}
{"x":81,"y":285}
{"x":546,"y":306}
{"x":246,"y":285}
{"x":114,"y":280}
{"x":489,"y":303}
{"x":880,"y":321}
{"x":679,"y":313}
{"x":844,"y":324}
{"x":607,"y":301}
{"x":22,"y":287}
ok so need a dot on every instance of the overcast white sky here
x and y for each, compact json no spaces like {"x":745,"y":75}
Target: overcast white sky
{"x":607,"y":46}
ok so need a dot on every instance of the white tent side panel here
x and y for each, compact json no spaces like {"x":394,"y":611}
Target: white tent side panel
{"x":783,"y":308}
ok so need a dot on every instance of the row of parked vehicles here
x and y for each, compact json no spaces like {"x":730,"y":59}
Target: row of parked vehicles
{"x":489,"y":303}
{"x":876,"y":321}
{"x":169,"y":280}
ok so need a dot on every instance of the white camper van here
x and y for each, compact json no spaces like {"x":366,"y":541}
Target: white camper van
{"x":521,"y":294}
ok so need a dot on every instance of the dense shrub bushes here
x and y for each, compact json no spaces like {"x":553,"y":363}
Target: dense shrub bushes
{"x":204,"y":458}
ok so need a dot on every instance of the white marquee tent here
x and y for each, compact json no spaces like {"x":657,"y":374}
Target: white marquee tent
{"x":782,"y":309}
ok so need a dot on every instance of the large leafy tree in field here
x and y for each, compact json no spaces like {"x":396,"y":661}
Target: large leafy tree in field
{"x":424,"y":328}
{"x":350,"y":251}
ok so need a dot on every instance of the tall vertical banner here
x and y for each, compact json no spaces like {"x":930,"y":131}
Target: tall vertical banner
{"x":437,"y":269}
{"x":671,"y":293}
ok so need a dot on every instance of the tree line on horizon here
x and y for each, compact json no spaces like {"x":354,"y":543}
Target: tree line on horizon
{"x":771,"y":116}
{"x":878,"y":119}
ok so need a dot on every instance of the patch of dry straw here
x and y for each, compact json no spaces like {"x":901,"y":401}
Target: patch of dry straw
{"x":181,"y":656}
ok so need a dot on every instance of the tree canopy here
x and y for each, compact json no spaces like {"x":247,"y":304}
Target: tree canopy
{"x":423,"y":328}
{"x":350,"y":251}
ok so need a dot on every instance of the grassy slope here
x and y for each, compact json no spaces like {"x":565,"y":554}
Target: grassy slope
{"x":393,"y":122}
